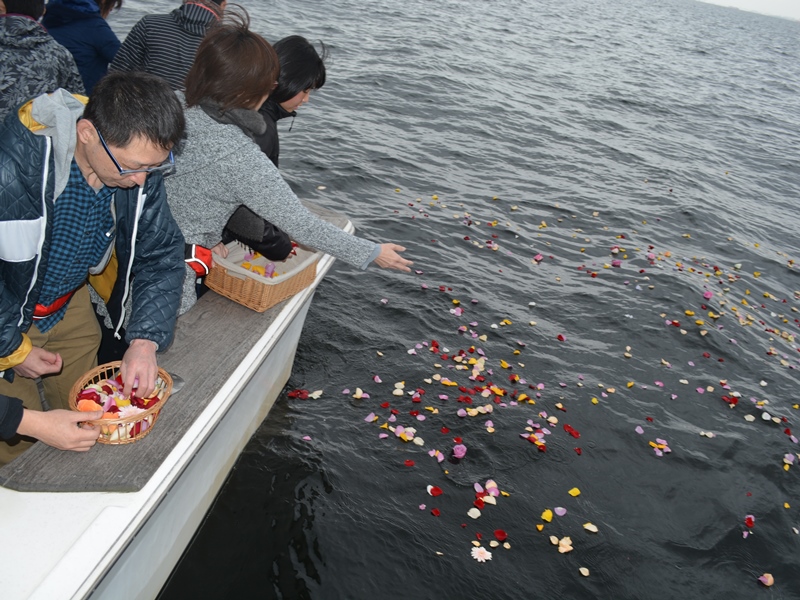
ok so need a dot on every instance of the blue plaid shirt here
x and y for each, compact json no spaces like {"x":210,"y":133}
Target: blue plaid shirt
{"x":83,"y":228}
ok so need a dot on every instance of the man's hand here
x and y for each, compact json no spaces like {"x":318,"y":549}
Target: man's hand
{"x":139,"y":368}
{"x":390,"y":259}
{"x":39,"y":362}
{"x":61,"y":429}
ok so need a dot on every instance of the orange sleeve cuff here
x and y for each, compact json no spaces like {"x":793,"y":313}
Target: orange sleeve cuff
{"x":18,"y":356}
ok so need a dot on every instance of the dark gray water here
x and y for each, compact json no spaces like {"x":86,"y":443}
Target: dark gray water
{"x":559,"y":129}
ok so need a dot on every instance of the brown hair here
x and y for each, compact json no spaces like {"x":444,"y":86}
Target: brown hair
{"x":234,"y":66}
{"x":106,"y":6}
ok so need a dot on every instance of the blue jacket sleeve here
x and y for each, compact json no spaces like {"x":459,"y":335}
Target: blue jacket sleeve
{"x":158,"y":270}
{"x":107,"y":43}
{"x":10,"y":416}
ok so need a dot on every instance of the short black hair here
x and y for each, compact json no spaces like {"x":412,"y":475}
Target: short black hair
{"x":302,"y":68}
{"x":124,"y":105}
{"x":30,"y":8}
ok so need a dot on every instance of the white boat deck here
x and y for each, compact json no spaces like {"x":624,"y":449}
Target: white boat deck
{"x":114,"y":521}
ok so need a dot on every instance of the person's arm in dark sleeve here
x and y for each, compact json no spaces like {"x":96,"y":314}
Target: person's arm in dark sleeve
{"x":107,"y":43}
{"x":132,"y":54}
{"x":10,"y":416}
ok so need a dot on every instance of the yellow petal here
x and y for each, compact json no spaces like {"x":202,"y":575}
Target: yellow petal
{"x":547,"y":515}
{"x":574,"y":492}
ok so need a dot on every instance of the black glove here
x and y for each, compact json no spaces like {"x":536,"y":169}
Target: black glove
{"x":259,"y":234}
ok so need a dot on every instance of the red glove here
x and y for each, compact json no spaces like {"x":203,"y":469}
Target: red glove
{"x":199,"y":258}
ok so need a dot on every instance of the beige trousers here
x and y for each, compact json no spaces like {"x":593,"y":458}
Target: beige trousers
{"x":76,"y":338}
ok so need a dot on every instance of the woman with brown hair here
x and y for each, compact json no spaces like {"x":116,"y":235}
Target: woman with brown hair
{"x":221,"y":167}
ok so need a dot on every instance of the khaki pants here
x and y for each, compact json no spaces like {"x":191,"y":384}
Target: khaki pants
{"x":76,"y":338}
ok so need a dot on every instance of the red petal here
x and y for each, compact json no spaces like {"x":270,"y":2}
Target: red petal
{"x":500,"y":535}
{"x":436,"y":512}
{"x":435,"y":491}
{"x":479,"y":503}
{"x":445,"y":430}
{"x":479,"y":536}
{"x":457,"y":440}
{"x":385,"y":405}
{"x":409,"y":462}
{"x":578,"y":451}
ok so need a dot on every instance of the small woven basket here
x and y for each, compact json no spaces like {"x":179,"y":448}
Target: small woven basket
{"x":228,"y":278}
{"x":129,"y":429}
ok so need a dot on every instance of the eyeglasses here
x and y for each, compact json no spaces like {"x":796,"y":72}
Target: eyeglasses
{"x":167,"y":166}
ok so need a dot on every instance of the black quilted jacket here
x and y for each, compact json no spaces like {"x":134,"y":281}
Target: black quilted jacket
{"x":154,"y":260}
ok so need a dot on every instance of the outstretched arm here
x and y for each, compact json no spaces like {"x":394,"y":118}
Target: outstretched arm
{"x":390,"y":259}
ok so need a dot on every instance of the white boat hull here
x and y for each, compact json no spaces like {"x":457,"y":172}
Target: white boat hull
{"x":125,"y":545}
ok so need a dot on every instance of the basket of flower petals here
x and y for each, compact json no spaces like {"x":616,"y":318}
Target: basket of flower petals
{"x":253,"y":281}
{"x":125,"y":419}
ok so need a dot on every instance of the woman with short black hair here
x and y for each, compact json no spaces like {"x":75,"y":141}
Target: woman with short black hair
{"x":302,"y":71}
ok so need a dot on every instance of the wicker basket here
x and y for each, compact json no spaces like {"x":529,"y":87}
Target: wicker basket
{"x":228,"y":278}
{"x":129,"y":429}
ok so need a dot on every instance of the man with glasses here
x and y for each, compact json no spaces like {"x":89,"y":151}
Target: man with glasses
{"x":75,"y":184}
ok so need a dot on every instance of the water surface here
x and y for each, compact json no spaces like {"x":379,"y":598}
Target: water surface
{"x":559,"y":129}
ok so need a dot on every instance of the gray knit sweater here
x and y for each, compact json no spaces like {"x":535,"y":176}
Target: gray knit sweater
{"x":219,"y":168}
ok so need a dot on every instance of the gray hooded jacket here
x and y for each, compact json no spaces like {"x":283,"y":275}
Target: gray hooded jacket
{"x":218,"y":169}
